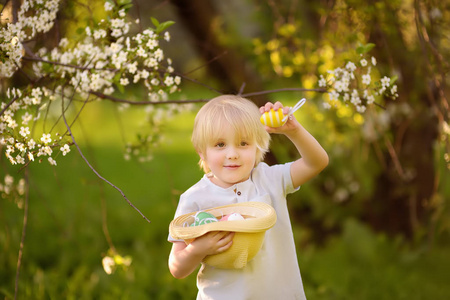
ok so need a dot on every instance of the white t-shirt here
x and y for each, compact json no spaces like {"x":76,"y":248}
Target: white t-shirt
{"x":274,"y":272}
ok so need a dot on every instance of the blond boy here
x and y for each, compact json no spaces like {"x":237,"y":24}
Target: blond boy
{"x":231,"y":143}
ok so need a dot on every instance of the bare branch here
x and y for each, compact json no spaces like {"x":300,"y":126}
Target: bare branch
{"x":283,"y":90}
{"x":91,"y":167}
{"x":36,"y":58}
{"x":115,"y":99}
{"x":207,"y":63}
{"x":8,"y":105}
{"x":24,"y":230}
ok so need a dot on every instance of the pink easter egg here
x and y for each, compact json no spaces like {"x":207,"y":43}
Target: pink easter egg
{"x":232,"y":217}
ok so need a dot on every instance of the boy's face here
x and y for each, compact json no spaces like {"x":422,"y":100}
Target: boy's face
{"x":229,"y":159}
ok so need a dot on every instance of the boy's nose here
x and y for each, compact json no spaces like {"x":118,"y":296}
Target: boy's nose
{"x":232,"y":153}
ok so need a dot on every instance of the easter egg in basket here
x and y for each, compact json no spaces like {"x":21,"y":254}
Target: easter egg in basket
{"x":232,"y":217}
{"x":202,"y":218}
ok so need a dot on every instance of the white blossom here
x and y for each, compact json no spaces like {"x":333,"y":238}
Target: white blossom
{"x":333,"y":95}
{"x":65,"y":149}
{"x":124,"y":81}
{"x":46,"y":138}
{"x":52,"y":161}
{"x":350,"y":66}
{"x":30,"y":156}
{"x":152,"y":44}
{"x":99,"y":34}
{"x":374,"y":61}
{"x":167,"y":36}
{"x":366,"y":79}
{"x":20,"y":159}
{"x":24,"y":131}
{"x":108,"y":6}
{"x":322,"y":81}
{"x":385,"y":81}
{"x":31,"y":144}
{"x":108,"y":264}
{"x":169,"y":81}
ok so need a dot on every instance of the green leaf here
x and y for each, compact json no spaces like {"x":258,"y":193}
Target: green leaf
{"x":362,"y":49}
{"x":163,"y":26}
{"x":127,"y":7}
{"x":155,"y":22}
{"x":124,"y":2}
{"x":369,"y":47}
{"x":393,"y":79}
{"x":120,"y":88}
{"x":80,"y":30}
{"x":116,"y":80}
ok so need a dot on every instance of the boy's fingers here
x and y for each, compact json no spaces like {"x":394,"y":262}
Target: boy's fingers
{"x":268,"y":106}
{"x":277,"y":105}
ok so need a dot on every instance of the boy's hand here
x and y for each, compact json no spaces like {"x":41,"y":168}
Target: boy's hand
{"x":291,"y":124}
{"x":211,"y":243}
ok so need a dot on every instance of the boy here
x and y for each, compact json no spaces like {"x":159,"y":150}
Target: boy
{"x":231,"y":143}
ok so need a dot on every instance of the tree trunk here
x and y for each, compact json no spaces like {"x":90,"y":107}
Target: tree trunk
{"x":223,"y":63}
{"x":403,"y":190}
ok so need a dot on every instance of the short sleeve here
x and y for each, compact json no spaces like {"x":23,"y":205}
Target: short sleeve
{"x":278,"y":175}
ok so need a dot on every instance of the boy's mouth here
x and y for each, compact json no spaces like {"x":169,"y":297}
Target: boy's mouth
{"x":232,"y":166}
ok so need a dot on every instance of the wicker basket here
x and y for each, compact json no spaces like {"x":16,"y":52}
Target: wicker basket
{"x":249,"y":233}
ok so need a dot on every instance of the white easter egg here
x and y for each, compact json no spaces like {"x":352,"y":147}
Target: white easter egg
{"x":235,"y":217}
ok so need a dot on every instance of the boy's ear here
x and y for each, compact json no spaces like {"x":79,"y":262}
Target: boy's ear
{"x":201,"y":155}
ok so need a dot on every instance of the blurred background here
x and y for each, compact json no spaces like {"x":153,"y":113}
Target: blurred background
{"x":374,"y":225}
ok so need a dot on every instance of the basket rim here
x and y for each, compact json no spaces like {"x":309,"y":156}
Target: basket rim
{"x":262,"y":217}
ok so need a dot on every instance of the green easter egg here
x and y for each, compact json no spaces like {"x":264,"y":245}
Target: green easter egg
{"x":202,"y":218}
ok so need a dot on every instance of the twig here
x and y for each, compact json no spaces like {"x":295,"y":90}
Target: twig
{"x":283,"y":90}
{"x":105,"y":221}
{"x":207,"y":63}
{"x":197,"y":82}
{"x":92,"y":168}
{"x":115,"y":99}
{"x":8,"y":105}
{"x":241,"y":89}
{"x":24,"y":230}
{"x":67,"y":65}
{"x":395,"y":160}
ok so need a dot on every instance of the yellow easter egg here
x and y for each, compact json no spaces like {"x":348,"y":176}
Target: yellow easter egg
{"x":273,"y":118}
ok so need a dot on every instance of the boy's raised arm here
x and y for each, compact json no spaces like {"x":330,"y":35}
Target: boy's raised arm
{"x":313,"y":157}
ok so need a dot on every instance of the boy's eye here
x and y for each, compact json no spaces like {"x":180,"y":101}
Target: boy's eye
{"x":243,"y":143}
{"x":220,"y":145}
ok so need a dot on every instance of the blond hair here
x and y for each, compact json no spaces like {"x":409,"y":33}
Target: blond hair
{"x":240,"y":113}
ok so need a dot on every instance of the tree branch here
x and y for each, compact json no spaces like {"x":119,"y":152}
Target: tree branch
{"x":115,"y":99}
{"x":24,"y":230}
{"x":38,"y":59}
{"x":91,"y":167}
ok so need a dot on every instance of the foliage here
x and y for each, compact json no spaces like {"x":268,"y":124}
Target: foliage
{"x":363,"y":265}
